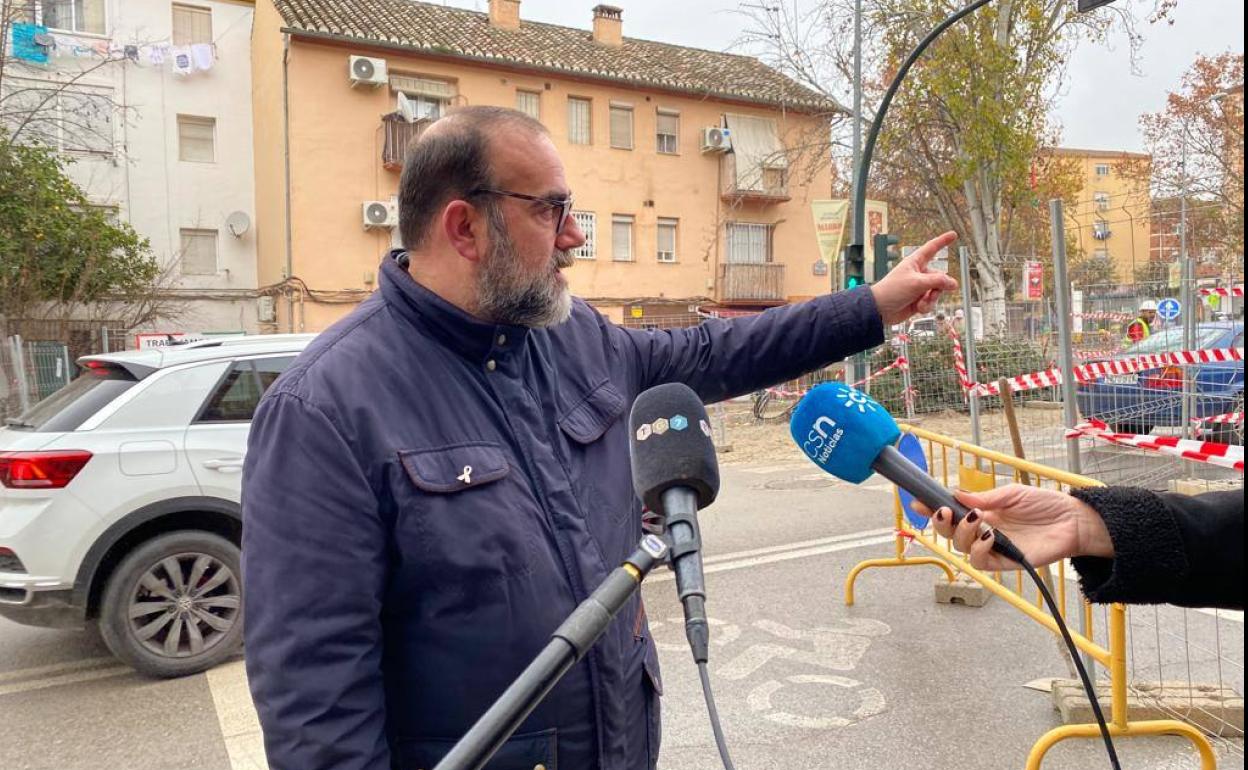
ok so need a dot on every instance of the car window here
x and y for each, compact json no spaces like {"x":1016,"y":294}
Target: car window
{"x":97,"y":384}
{"x":235,"y":398}
{"x":1170,"y":340}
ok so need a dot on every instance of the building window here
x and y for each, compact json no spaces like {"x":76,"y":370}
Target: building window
{"x":1101,"y":199}
{"x":67,"y":119}
{"x":199,"y":252}
{"x":196,"y":139}
{"x":667,"y":239}
{"x":1102,"y":169}
{"x":622,"y":237}
{"x":1101,"y":254}
{"x":74,"y":15}
{"x":1100,"y":229}
{"x":428,"y":96}
{"x":586,"y":222}
{"x":191,"y":25}
{"x":667,"y":132}
{"x":578,"y":120}
{"x":749,"y":243}
{"x":621,"y":126}
{"x":530,"y":103}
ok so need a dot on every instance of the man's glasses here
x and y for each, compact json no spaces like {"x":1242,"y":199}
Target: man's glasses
{"x":562,"y":206}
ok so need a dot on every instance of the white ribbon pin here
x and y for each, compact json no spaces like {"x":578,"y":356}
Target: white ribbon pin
{"x":466,"y":476}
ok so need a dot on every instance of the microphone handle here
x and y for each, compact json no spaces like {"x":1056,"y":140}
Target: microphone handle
{"x":680,"y":508}
{"x":894,"y":466}
{"x":568,"y":644}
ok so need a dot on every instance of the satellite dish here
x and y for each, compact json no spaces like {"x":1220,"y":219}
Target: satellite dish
{"x":238,"y":223}
{"x":407,"y":110}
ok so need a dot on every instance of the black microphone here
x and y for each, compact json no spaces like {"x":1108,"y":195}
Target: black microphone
{"x":849,"y":435}
{"x":675,"y":473}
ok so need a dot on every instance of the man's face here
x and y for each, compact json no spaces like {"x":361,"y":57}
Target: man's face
{"x":1148,"y":316}
{"x":519,"y":281}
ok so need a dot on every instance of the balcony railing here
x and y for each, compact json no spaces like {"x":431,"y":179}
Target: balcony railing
{"x":399,"y":134}
{"x":761,"y":283}
{"x":765,"y":185}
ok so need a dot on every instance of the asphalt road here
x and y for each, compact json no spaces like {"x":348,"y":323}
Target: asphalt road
{"x":801,"y":680}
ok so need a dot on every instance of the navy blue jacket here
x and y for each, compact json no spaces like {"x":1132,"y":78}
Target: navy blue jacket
{"x":426,"y":497}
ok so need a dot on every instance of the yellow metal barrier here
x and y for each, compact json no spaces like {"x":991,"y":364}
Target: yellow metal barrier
{"x":1114,"y":658}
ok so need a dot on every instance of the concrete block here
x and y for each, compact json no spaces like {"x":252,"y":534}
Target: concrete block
{"x":963,"y":590}
{"x":1215,"y":710}
{"x":1200,"y":486}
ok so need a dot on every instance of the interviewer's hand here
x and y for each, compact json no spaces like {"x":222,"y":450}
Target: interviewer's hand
{"x":1046,"y":525}
{"x":910,"y":287}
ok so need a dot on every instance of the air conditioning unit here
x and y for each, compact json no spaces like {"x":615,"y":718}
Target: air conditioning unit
{"x":366,"y":71}
{"x":266,"y":309}
{"x":380,"y":214}
{"x":716,"y":139}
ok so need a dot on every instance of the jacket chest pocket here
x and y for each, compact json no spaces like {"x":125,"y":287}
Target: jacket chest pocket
{"x":598,"y":464}
{"x":466,"y":522}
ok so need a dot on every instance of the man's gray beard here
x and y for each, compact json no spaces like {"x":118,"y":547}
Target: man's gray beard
{"x":506,"y":296}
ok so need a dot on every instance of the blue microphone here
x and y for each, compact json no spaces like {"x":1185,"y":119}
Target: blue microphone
{"x":848,"y":434}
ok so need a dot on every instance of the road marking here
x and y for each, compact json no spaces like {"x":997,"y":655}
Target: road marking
{"x":244,"y":741}
{"x":23,"y":673}
{"x":800,"y":544}
{"x":63,"y":679}
{"x":774,"y":554}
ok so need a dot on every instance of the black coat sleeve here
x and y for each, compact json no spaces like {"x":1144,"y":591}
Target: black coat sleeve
{"x":1168,"y":548}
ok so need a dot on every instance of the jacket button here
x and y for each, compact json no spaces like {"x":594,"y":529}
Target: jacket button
{"x":491,"y":365}
{"x":502,"y":340}
{"x":539,"y":767}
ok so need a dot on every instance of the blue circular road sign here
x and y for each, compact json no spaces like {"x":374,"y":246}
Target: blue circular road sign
{"x":1169,"y":308}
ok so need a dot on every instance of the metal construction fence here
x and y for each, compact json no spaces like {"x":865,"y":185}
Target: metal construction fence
{"x":33,"y":369}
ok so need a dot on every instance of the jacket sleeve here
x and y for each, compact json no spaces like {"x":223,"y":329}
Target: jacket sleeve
{"x":725,"y":358}
{"x":314,"y":571}
{"x":1177,"y":549}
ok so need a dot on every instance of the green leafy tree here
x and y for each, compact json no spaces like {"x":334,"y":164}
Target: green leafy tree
{"x":61,"y":258}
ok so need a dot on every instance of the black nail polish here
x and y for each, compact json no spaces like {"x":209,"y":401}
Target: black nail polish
{"x":986,"y":535}
{"x":972,"y":517}
{"x":940,"y":515}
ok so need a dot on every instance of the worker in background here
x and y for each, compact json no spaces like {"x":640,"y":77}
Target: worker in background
{"x":1141,"y":327}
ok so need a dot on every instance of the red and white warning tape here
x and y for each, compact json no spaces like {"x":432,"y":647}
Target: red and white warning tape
{"x":1086,"y":354}
{"x":1052,"y":377}
{"x":1234,"y":291}
{"x":1229,"y":417}
{"x":901,"y":363}
{"x":1223,"y":455}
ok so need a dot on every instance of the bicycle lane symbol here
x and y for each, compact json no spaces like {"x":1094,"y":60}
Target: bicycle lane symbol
{"x":830,"y":649}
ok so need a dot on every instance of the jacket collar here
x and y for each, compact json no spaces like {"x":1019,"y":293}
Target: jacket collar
{"x":463,"y":333}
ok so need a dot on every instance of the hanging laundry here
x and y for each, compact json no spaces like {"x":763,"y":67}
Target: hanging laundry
{"x":181,"y":57}
{"x":203,"y":55}
{"x":157,"y":53}
{"x":24,"y":45}
{"x":132,"y":53}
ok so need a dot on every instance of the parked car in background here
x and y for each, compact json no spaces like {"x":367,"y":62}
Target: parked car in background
{"x":1139,"y":402}
{"x":120,"y":498}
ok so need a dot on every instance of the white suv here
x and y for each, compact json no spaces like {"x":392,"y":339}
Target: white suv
{"x":119,"y":499}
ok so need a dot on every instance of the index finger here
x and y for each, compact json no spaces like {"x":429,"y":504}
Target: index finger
{"x":924,"y":253}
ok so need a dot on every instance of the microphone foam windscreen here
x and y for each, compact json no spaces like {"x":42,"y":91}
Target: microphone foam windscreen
{"x":842,"y":430}
{"x":670,"y":445}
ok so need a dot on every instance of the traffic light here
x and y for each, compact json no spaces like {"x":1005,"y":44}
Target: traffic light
{"x":855,"y":270}
{"x":883,"y":255}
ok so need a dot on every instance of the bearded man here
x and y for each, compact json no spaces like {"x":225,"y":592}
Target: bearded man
{"x":443,"y":475}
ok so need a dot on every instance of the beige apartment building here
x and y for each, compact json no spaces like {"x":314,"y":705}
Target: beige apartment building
{"x":1111,"y":219}
{"x":692,"y":170}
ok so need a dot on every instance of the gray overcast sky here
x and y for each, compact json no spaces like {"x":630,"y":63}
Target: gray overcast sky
{"x":1102,"y":99}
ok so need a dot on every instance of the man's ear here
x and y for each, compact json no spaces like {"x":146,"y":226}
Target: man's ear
{"x":461,"y":223}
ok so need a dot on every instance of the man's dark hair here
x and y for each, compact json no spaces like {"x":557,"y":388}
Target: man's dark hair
{"x":448,"y":162}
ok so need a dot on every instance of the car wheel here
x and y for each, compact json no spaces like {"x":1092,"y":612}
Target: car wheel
{"x":174,"y":605}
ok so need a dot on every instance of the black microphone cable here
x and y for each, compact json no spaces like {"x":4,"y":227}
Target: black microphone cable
{"x":713,"y":713}
{"x":1006,"y":548}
